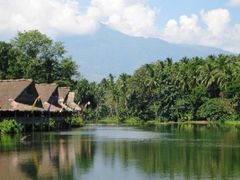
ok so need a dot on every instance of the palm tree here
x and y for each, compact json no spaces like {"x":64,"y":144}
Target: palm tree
{"x":123,"y":83}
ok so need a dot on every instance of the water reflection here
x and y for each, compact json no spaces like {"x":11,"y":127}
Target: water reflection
{"x":122,"y":153}
{"x":46,"y":156}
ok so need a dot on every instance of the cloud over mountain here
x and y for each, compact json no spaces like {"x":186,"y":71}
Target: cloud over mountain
{"x":67,"y":16}
{"x":132,"y":17}
{"x":210,"y":28}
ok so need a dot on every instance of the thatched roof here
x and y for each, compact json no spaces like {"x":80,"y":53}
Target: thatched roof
{"x":62,"y":93}
{"x":71,"y":103}
{"x":62,"y":97}
{"x":49,"y":96}
{"x":21,"y":94}
{"x":46,"y":91}
{"x":18,"y":94}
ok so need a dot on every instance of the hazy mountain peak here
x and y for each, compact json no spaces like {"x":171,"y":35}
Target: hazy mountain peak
{"x":109,"y":51}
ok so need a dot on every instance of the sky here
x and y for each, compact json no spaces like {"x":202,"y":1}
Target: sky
{"x":214,"y":23}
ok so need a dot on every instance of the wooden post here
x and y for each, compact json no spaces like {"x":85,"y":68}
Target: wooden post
{"x":32,"y":124}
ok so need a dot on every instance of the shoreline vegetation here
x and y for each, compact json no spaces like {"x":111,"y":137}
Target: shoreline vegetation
{"x":11,"y":126}
{"x":186,"y":91}
{"x":136,"y":122}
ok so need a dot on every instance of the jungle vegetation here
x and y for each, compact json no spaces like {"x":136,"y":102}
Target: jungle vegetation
{"x":188,"y":90}
{"x":166,"y":90}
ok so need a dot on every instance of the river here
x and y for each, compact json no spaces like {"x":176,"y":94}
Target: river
{"x":105,"y":152}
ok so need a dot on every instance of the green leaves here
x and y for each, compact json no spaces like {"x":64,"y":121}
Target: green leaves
{"x":33,"y":55}
{"x":191,"y":89}
{"x":10,"y":126}
{"x":216,"y":109}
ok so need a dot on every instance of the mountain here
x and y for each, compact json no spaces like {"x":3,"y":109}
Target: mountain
{"x":109,"y":51}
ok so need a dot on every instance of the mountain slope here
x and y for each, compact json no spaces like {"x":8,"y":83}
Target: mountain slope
{"x":108,"y":51}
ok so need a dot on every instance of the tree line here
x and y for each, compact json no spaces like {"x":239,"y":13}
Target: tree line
{"x":190,"y":89}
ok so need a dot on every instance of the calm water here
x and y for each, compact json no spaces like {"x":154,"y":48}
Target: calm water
{"x":122,"y":153}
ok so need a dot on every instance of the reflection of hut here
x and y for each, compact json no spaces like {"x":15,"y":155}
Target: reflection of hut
{"x":71,"y":103}
{"x":18,"y":95}
{"x":49,"y":96}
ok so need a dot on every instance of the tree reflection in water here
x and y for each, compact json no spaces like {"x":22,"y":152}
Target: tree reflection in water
{"x":188,"y":153}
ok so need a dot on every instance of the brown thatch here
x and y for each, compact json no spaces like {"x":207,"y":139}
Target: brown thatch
{"x":71,"y":103}
{"x":49,"y":96}
{"x":62,"y":93}
{"x":46,"y":91}
{"x":18,"y":94}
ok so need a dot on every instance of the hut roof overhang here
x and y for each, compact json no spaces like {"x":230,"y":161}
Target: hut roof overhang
{"x":49,"y":96}
{"x":18,"y":94}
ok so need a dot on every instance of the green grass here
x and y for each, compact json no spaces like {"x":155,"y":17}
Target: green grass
{"x":109,"y":120}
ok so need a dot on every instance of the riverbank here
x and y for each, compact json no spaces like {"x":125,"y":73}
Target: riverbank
{"x":13,"y":126}
{"x":136,"y":122}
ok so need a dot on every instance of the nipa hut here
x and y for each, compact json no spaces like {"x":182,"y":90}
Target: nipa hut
{"x":70,"y":102}
{"x":49,"y":96}
{"x":24,"y":95}
{"x":62,"y":97}
{"x":19,"y":95}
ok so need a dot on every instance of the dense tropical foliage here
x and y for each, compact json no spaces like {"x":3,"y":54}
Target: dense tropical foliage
{"x":190,"y":89}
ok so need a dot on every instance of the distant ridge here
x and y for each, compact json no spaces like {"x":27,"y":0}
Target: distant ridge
{"x":109,"y":51}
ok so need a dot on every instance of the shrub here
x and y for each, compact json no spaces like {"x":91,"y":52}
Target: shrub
{"x":75,"y":121}
{"x":216,"y":109}
{"x":133,"y":121}
{"x":10,"y":126}
{"x":183,"y":109}
{"x":51,"y":123}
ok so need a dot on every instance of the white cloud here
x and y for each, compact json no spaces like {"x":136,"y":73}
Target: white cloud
{"x":180,"y":31}
{"x":66,"y":16}
{"x":211,"y":28}
{"x":235,"y":2}
{"x":134,"y":20}
{"x":132,"y":17}
{"x":216,"y":20}
{"x":128,"y":16}
{"x":49,"y":16}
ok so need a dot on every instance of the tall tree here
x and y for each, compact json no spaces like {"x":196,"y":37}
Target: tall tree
{"x":4,"y":59}
{"x":10,"y":58}
{"x":43,"y":59}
